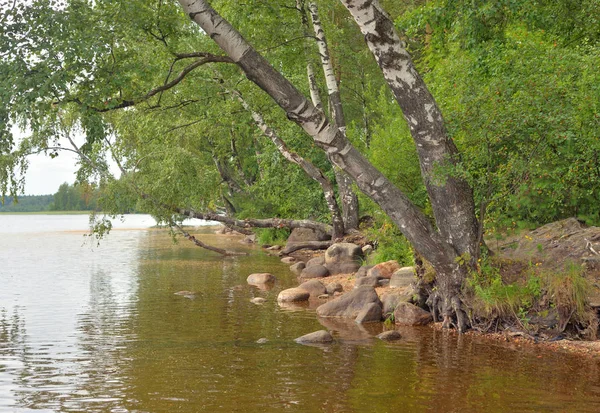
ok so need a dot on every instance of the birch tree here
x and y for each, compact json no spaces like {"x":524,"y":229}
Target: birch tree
{"x":452,"y":246}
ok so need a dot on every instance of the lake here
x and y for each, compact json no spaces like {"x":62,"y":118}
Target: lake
{"x":98,"y":328}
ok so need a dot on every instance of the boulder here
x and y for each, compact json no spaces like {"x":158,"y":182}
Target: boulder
{"x":343,"y":258}
{"x":390,"y":301}
{"x":362,"y":271}
{"x":292,"y":295}
{"x":402,"y":277}
{"x":332,"y":288}
{"x":316,"y":271}
{"x":318,"y":337}
{"x":391,"y":335}
{"x":410,"y":315}
{"x":383,"y":282}
{"x":384,"y":269}
{"x":320,"y":260}
{"x":260,"y":278}
{"x":369,"y":314}
{"x":298,"y":267}
{"x":350,"y":304}
{"x":314,"y":287}
{"x":304,"y":235}
{"x":289,"y":260}
{"x":370,"y":281}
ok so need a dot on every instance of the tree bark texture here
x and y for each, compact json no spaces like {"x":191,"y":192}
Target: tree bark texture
{"x":451,"y":197}
{"x":347,"y":195}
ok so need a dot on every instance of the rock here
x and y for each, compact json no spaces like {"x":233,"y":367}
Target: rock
{"x":343,"y":258}
{"x":390,"y":301}
{"x":362,"y":271}
{"x":257,"y":300}
{"x":370,"y":281}
{"x":391,"y":335}
{"x":318,"y":337}
{"x":323,"y":297}
{"x":402,"y":277}
{"x":383,"y":282}
{"x":384,"y":269}
{"x":369,"y":314}
{"x":187,"y":294}
{"x":298,"y":267}
{"x":249,"y":239}
{"x":262,"y":341}
{"x":332,"y":288}
{"x":292,"y":295}
{"x":301,"y":235}
{"x":411,"y":315}
{"x":260,"y":278}
{"x":274,"y":248}
{"x":316,"y":271}
{"x":350,"y":304}
{"x":320,"y":260}
{"x":367,"y":249}
{"x":289,"y":260}
{"x":314,"y":287}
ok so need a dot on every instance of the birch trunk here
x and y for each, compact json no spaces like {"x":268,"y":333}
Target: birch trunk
{"x":311,"y":170}
{"x":437,"y":248}
{"x":451,"y":197}
{"x":349,"y":198}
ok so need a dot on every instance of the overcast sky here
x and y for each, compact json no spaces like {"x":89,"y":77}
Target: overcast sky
{"x":45,"y":174}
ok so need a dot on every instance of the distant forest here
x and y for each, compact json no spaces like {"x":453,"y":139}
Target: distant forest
{"x":67,"y":198}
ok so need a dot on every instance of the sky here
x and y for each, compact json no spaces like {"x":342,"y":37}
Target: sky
{"x":45,"y":174}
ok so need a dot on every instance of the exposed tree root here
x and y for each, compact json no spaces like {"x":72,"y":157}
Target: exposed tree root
{"x":203,"y":245}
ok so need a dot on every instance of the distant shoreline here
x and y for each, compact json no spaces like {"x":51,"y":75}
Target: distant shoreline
{"x":45,"y":213}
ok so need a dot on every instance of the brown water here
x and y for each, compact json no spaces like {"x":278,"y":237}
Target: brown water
{"x":98,"y":329}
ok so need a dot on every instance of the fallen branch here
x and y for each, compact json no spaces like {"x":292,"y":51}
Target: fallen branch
{"x":309,"y":245}
{"x":203,"y":245}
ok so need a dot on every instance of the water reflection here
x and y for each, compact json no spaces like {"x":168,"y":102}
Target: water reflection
{"x":101,"y":329}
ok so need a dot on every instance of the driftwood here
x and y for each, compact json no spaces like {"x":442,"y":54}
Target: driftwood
{"x":309,"y":245}
{"x":206,"y":246}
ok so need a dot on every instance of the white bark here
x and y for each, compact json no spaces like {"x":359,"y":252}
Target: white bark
{"x":451,"y":197}
{"x":311,"y":170}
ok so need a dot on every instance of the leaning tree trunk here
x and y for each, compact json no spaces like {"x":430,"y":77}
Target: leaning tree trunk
{"x":437,"y":247}
{"x":347,"y":195}
{"x":310,"y":169}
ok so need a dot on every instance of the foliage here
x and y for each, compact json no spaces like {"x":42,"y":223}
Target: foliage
{"x":74,"y":198}
{"x":31,"y":203}
{"x":391,"y":244}
{"x":272,"y":236}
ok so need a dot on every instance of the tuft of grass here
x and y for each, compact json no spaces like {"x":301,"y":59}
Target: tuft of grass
{"x":272,"y":236}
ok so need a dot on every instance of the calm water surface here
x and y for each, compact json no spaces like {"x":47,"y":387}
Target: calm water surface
{"x":86,"y":328}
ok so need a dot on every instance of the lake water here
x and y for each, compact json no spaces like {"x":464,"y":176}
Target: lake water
{"x":86,"y":328}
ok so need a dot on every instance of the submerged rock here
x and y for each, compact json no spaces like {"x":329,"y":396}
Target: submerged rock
{"x":289,"y":260}
{"x":350,"y":304}
{"x":258,"y":300}
{"x":260,"y":278}
{"x":292,"y":295}
{"x":391,"y":335}
{"x":318,"y":337}
{"x":262,"y":341}
{"x":411,"y":315}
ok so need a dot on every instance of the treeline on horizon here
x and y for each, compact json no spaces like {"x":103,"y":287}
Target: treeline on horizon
{"x":67,"y":198}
